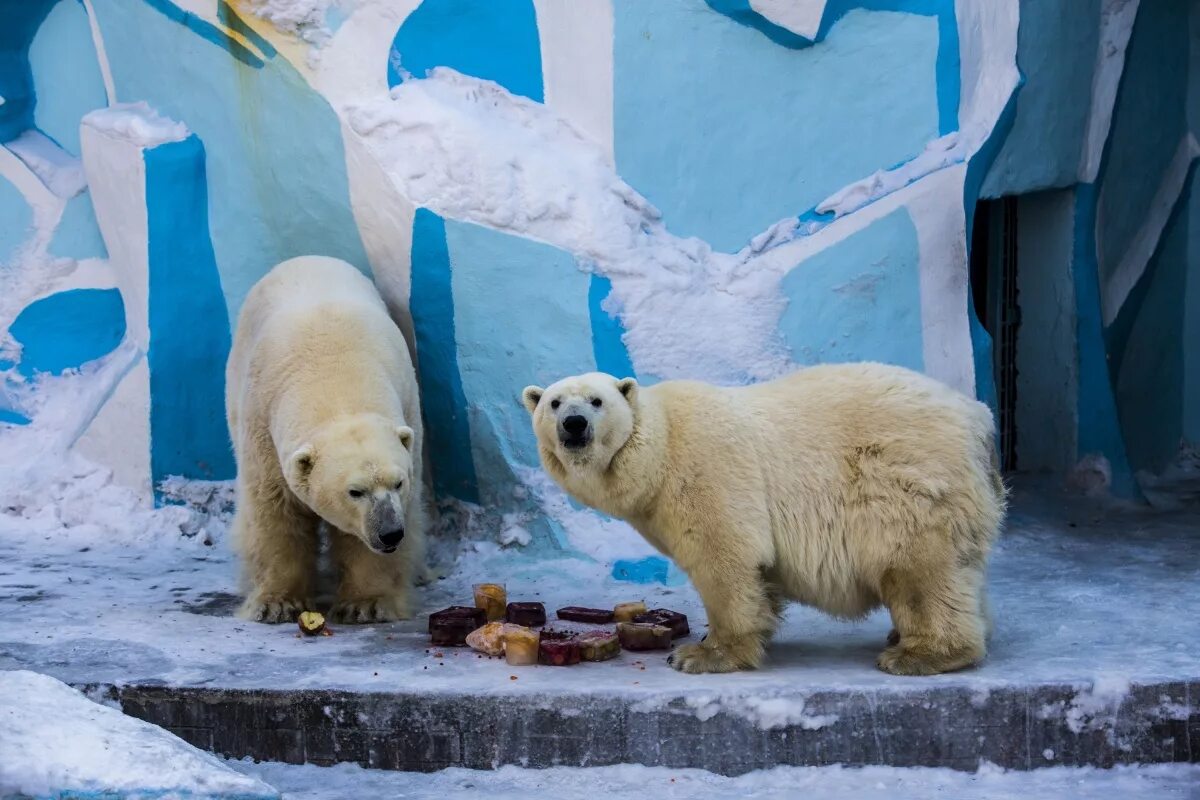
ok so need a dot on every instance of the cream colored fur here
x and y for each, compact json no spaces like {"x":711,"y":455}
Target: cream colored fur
{"x":322,"y":401}
{"x":844,"y":487}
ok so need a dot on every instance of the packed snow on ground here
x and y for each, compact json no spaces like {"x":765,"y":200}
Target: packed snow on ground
{"x":630,"y":782}
{"x":56,"y":743}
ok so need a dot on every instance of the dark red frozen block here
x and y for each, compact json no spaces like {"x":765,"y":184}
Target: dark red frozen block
{"x":558,"y":649}
{"x":528,"y":614}
{"x":678,"y":623}
{"x":596,"y":616}
{"x":450,"y":626}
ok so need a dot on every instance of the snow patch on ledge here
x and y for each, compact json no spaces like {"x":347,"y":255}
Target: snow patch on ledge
{"x":765,"y":713}
{"x":57,"y":743}
{"x":137,"y":123}
{"x":304,"y":19}
{"x":57,"y":169}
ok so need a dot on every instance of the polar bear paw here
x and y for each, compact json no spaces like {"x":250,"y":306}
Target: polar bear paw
{"x":702,"y":657}
{"x":272,"y":609}
{"x":365,"y":610}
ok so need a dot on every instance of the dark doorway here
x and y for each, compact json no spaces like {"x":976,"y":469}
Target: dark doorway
{"x":995,"y":296}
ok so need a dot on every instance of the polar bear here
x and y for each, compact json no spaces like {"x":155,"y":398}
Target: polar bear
{"x":325,"y":418}
{"x":843,"y":487}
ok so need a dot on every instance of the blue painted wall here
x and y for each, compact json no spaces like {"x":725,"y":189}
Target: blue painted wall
{"x":858,"y":300}
{"x":21,"y":21}
{"x":808,"y":120}
{"x":66,"y":74}
{"x":78,"y":235}
{"x":68,"y":329}
{"x":276,"y":166}
{"x":17,"y":216}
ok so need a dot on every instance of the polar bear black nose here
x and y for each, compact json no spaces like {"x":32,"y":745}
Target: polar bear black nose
{"x":575,"y":424}
{"x":390,"y":539}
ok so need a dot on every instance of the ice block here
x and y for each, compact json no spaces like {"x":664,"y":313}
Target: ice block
{"x":520,"y":646}
{"x":492,"y":598}
{"x":528,"y":614}
{"x":558,"y":649}
{"x":596,"y":616}
{"x":450,"y":626}
{"x":598,"y":645}
{"x":625,"y":612}
{"x":644,"y":636}
{"x":678,"y":623}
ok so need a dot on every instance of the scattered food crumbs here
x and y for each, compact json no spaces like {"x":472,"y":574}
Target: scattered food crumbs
{"x":438,"y":655}
{"x":512,"y":677}
{"x":425,"y":667}
{"x":376,"y":674}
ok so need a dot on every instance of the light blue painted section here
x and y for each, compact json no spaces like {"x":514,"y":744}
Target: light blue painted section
{"x":66,"y":74}
{"x":607,"y":345}
{"x":1056,"y":52}
{"x":189,"y":329}
{"x":858,"y":300}
{"x":1099,"y":427}
{"x":443,"y":404}
{"x":68,"y":329}
{"x":496,"y":40}
{"x":1149,"y":120}
{"x":1146,"y":350}
{"x":651,"y":569}
{"x":78,"y":235}
{"x":807,"y":121}
{"x":275,"y":194}
{"x":17,"y":218}
{"x":519,"y":309}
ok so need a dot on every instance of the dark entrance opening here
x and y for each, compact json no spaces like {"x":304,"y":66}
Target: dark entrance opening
{"x":994,"y":294}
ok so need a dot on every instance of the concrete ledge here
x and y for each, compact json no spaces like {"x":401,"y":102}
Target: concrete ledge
{"x":1017,"y":728}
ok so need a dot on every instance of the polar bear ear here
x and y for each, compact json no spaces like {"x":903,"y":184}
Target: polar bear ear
{"x":628,"y":387}
{"x":406,"y":436}
{"x":301,"y":463}
{"x":531,"y":396}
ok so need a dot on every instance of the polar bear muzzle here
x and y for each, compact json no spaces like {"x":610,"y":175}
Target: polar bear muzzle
{"x":385,"y":525}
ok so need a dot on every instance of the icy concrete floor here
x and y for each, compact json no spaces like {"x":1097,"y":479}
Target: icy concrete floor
{"x":1079,"y":595}
{"x":627,"y":782}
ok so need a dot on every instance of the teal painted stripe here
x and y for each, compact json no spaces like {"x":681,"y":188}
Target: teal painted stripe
{"x":607,"y":345}
{"x":206,"y":30}
{"x":189,"y":324}
{"x":10,"y":417}
{"x":443,"y":402}
{"x":949,"y":61}
{"x":231,"y":18}
{"x":1099,"y":425}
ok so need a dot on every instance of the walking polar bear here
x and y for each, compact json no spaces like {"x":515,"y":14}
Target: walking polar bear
{"x":843,"y":487}
{"x":325,"y":419}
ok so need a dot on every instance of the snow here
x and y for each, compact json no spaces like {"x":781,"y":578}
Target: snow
{"x":304,"y":19}
{"x":137,"y":123}
{"x":55,"y":741}
{"x":60,"y":171}
{"x":629,"y":782}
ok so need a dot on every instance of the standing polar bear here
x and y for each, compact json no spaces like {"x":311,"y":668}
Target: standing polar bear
{"x":843,"y":487}
{"x":323,"y":410}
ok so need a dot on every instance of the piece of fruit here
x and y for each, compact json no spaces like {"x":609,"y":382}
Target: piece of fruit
{"x":311,"y":622}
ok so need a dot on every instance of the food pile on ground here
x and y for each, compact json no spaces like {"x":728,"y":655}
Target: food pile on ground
{"x":518,"y":631}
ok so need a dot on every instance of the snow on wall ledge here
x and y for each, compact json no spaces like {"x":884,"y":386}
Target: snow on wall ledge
{"x":538,"y":187}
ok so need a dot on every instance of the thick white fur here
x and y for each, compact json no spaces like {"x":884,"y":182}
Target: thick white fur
{"x":321,"y":398}
{"x":843,"y":487}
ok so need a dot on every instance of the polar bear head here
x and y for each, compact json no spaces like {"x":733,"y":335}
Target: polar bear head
{"x":356,"y":473}
{"x":584,"y":420}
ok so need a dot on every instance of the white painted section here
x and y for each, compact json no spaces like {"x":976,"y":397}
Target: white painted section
{"x":116,"y":174}
{"x":987,"y":34}
{"x":110,"y":90}
{"x":577,"y":64}
{"x":89,"y":273}
{"x":60,"y":171}
{"x":119,"y":435}
{"x":1116,"y":24}
{"x":801,"y":17}
{"x":1133,"y":264}
{"x":33,"y":267}
{"x":353,"y":63}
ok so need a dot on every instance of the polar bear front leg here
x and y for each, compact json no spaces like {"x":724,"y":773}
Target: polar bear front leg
{"x":373,"y":586}
{"x":277,"y":540}
{"x":741,"y":615}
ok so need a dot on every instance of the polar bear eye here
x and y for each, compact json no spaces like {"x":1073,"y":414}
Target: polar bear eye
{"x":597,"y":403}
{"x":356,"y":493}
{"x":399,"y":485}
{"x":555,"y":404}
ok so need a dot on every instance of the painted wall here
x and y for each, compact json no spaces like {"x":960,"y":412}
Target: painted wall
{"x":540,"y":187}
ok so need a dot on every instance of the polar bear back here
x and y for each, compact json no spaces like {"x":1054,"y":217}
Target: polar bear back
{"x":314,"y":339}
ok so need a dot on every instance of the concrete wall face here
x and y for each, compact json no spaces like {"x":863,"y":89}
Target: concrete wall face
{"x":713,"y":190}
